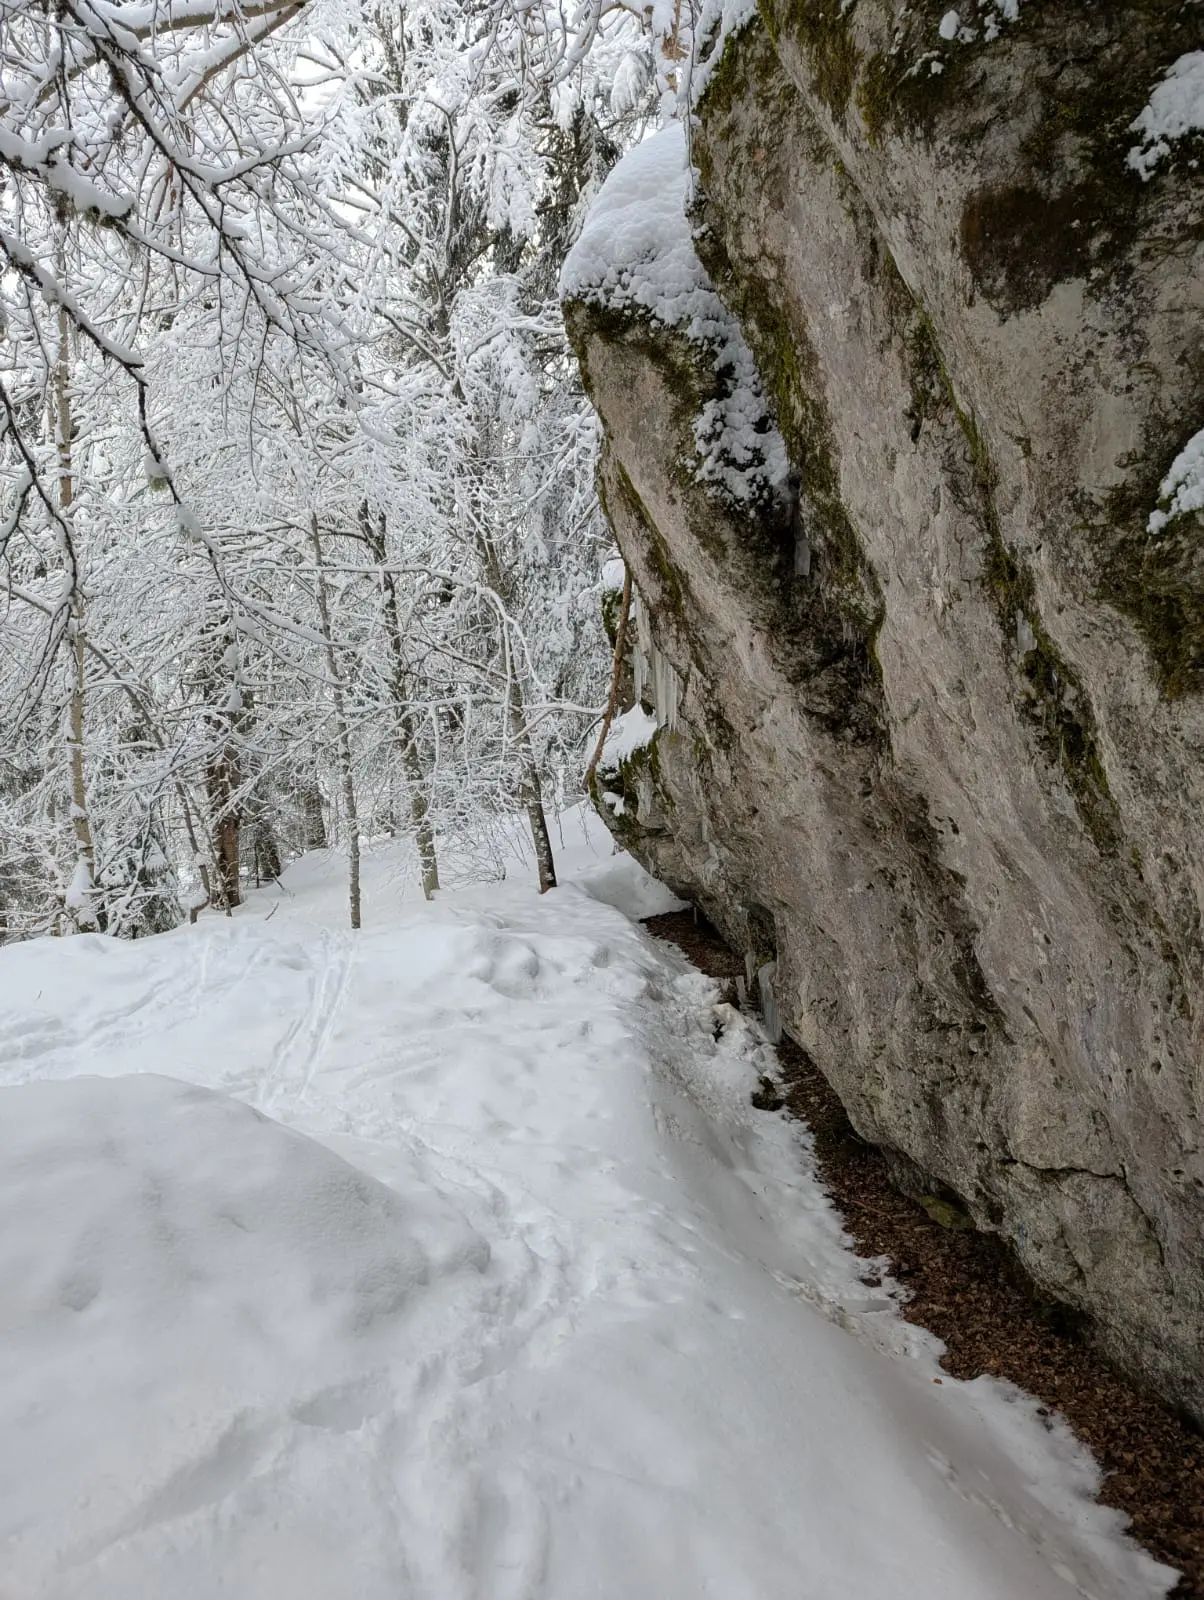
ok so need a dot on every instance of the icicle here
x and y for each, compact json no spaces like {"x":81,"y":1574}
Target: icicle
{"x":656,"y":678}
{"x":666,"y":689}
{"x":771,"y":1017}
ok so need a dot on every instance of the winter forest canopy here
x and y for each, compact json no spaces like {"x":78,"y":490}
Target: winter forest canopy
{"x":298,"y":537}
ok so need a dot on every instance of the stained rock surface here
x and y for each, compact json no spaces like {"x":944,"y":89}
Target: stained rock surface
{"x":900,"y":358}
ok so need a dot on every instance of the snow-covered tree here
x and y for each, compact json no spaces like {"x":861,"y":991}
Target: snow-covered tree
{"x":297,"y":529}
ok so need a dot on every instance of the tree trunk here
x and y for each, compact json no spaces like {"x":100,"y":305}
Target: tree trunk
{"x":202,"y":867}
{"x":222,"y":779}
{"x":313,"y":822}
{"x":531,"y":788}
{"x":342,"y":735}
{"x":531,"y":785}
{"x":416,"y":782}
{"x":406,"y":726}
{"x":83,"y":909}
{"x":267,"y":851}
{"x":85,"y":912}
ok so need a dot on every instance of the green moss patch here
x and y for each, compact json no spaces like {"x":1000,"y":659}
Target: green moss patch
{"x":612,"y":604}
{"x":823,"y":29}
{"x":1051,"y":699}
{"x":1158,"y":579}
{"x":671,"y":596}
{"x":944,"y":1212}
{"x":1055,"y":703}
{"x":615,"y":792}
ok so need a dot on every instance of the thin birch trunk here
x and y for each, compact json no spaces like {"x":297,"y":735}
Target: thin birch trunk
{"x":342,"y":736}
{"x":194,"y":843}
{"x":85,"y":915}
{"x":225,"y":769}
{"x":403,"y":715}
{"x":313,"y":822}
{"x":530,"y":784}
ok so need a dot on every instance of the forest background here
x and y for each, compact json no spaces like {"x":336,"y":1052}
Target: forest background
{"x":299,"y":544}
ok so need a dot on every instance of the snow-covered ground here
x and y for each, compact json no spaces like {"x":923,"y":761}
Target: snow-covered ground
{"x":449,"y":1261}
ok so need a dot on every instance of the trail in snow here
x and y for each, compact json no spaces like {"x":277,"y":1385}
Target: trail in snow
{"x":466,"y":1272}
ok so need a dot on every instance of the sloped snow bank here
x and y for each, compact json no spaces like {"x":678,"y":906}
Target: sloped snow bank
{"x":542,"y":1309}
{"x":195,"y":1302}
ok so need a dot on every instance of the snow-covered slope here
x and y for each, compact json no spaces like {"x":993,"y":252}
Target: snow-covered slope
{"x":540,"y":1308}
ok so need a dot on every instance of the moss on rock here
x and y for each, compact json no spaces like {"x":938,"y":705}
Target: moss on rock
{"x":610,"y":607}
{"x":620,"y":792}
{"x":1156,"y":579}
{"x":823,"y":29}
{"x":836,"y":602}
{"x":1055,"y":702}
{"x":1052,"y":699}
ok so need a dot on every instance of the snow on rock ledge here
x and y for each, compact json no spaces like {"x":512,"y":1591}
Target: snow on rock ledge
{"x":1175,"y":109}
{"x":636,"y":254}
{"x":633,"y":730}
{"x":1182,"y":489}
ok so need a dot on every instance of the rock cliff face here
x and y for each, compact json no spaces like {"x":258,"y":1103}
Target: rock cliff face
{"x":936,"y":757}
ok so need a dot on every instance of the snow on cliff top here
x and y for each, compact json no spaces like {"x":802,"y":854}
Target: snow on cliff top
{"x":636,"y":252}
{"x":635,"y":248}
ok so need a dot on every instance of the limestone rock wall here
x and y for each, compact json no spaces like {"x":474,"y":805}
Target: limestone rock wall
{"x":939,"y":752}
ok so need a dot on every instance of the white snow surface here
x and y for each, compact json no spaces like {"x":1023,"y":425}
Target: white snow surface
{"x":1182,"y":489}
{"x":450,"y":1261}
{"x":614,"y":572}
{"x":633,"y":730}
{"x":79,"y":892}
{"x":1176,"y":108}
{"x":717,"y":22}
{"x":965,"y":28}
{"x":636,"y":250}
